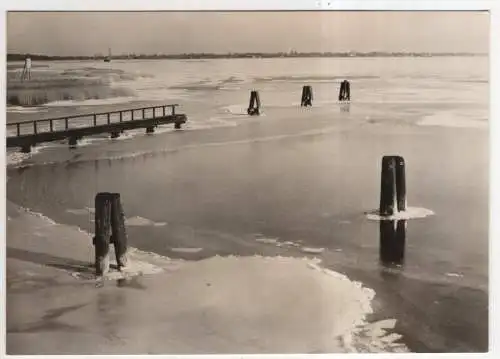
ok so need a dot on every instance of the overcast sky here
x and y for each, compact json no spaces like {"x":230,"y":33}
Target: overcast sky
{"x":87,"y":33}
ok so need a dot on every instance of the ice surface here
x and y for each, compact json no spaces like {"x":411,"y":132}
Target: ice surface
{"x":217,"y":305}
{"x":410,"y":213}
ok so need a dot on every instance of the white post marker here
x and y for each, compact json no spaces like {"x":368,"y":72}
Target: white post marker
{"x":27,"y":69}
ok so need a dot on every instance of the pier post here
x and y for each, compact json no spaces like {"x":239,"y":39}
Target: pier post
{"x":115,"y":134}
{"x":103,"y":231}
{"x":345,"y":91}
{"x":72,"y":141}
{"x":393,"y":186}
{"x":150,"y":129}
{"x":26,"y":148}
{"x":307,"y":96}
{"x":400,"y":183}
{"x":388,"y":186}
{"x":178,"y":125}
{"x":118,"y":231}
{"x":392,"y":241}
{"x":254,"y":106}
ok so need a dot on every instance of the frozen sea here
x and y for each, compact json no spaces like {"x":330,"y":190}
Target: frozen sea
{"x":292,"y":182}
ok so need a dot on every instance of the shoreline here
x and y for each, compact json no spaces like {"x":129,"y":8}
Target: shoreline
{"x":197,"y":56}
{"x":33,"y":271}
{"x":383,"y":303}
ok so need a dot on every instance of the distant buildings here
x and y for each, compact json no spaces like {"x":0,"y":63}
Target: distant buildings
{"x":291,"y":53}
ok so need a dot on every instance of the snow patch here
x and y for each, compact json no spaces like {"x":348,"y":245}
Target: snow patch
{"x":410,"y":213}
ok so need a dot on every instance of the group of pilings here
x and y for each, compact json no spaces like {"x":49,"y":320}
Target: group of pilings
{"x":345,"y":91}
{"x":306,"y":98}
{"x":110,"y":220}
{"x":73,"y":140}
{"x":109,"y":229}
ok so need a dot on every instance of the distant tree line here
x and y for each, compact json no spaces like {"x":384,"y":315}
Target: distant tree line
{"x":38,"y":57}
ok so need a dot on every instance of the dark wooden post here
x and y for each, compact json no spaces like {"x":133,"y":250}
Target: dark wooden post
{"x":121,"y":116}
{"x":345,"y":91}
{"x":26,"y":148}
{"x":66,"y":123}
{"x":400,"y":182}
{"x":115,"y":134}
{"x":163,"y":111}
{"x":257,"y":99}
{"x":131,"y":115}
{"x":392,"y":241}
{"x":72,"y":141}
{"x":150,"y":129}
{"x":388,"y":186}
{"x":254,"y":105}
{"x":103,"y":231}
{"x":95,"y":119}
{"x":393,"y":185}
{"x":173,"y":110}
{"x":18,"y":127}
{"x":143,"y":113}
{"x":35,"y":127}
{"x":119,"y":233}
{"x":307,"y":96}
{"x":51,"y":126}
{"x":108,"y":115}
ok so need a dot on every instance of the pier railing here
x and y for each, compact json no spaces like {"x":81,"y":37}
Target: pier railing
{"x":66,"y":123}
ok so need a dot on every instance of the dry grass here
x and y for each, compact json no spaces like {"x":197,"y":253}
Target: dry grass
{"x":47,"y":87}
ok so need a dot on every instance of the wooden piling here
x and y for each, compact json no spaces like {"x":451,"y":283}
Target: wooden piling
{"x":150,"y":129}
{"x":254,"y":105}
{"x":103,"y":231}
{"x":178,"y":125}
{"x":307,"y":96}
{"x":115,"y":134}
{"x":400,"y":183}
{"x":388,"y":186}
{"x":26,"y":148}
{"x":119,"y":233}
{"x":392,"y":241}
{"x":72,"y":141}
{"x":341,"y":91}
{"x":257,"y":99}
{"x":345,"y":91}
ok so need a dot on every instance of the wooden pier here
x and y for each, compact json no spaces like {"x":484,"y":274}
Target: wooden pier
{"x":73,"y":128}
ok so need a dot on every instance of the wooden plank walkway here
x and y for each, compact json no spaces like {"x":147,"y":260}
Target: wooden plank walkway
{"x":29,"y":133}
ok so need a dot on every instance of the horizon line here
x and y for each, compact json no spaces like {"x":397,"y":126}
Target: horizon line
{"x":257,"y":53}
